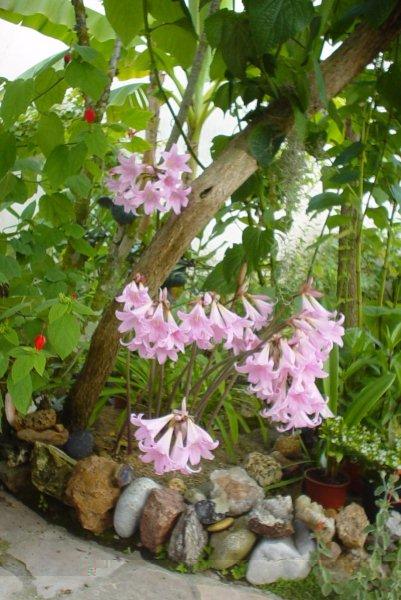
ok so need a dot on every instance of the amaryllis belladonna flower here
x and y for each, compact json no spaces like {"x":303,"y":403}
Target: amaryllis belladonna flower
{"x":173,"y":442}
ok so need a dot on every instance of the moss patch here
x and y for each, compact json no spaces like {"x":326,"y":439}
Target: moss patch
{"x":303,"y":589}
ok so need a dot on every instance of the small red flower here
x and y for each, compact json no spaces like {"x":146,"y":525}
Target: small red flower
{"x":39,"y":341}
{"x":90,"y":114}
{"x":67,"y":58}
{"x":74,"y":295}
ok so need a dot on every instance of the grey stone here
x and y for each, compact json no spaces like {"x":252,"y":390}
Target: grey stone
{"x":188,"y":539}
{"x":9,"y":584}
{"x":206,"y":512}
{"x":194,"y":495}
{"x":80,"y":444}
{"x":285,"y":558}
{"x":130,"y":504}
{"x":232,"y":545}
{"x":51,"y":469}
{"x":124,"y":475}
{"x":272,"y":517}
{"x":393,"y":525}
{"x":235,"y":489}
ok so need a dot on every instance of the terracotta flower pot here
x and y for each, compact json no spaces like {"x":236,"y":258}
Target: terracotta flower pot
{"x":354,"y":470}
{"x":327,"y":493}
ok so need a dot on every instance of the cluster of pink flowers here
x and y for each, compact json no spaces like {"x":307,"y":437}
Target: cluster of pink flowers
{"x":155,"y":188}
{"x":173,"y":442}
{"x":284,"y":371}
{"x":157,"y":334}
{"x":281,"y":371}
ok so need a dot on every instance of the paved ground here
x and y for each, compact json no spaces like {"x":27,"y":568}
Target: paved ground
{"x":40,"y":561}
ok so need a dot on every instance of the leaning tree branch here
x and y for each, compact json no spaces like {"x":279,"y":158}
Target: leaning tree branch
{"x":80,"y":22}
{"x":192,"y":81}
{"x":209,"y":192}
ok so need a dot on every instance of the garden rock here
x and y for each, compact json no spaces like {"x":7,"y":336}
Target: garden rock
{"x":351,"y":522}
{"x":79,"y":444}
{"x":40,"y":420}
{"x":206,"y":512}
{"x":93,"y":492}
{"x":51,"y":470}
{"x":124,"y":475}
{"x":130,"y":505}
{"x":272,"y":517}
{"x":178,"y":484}
{"x":17,"y":479}
{"x":188,"y":539}
{"x":235,"y":488}
{"x":314,"y":516}
{"x":285,"y":558}
{"x":161,"y":511}
{"x":221,"y":525}
{"x":48,"y":436}
{"x":289,"y":445}
{"x":231,"y":546}
{"x":331,"y":553}
{"x":263,"y":468}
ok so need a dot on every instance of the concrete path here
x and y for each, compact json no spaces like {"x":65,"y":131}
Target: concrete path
{"x":40,"y":561}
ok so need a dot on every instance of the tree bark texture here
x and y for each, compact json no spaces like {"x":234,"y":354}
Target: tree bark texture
{"x":209,"y":192}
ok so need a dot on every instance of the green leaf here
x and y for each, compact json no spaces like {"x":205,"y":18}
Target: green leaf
{"x":389,"y":84}
{"x":262,"y":144}
{"x":365,"y":402}
{"x":79,"y":184}
{"x":257,"y":243}
{"x":379,"y":216}
{"x":57,"y":311}
{"x":126,"y":18}
{"x":64,"y":161}
{"x":9,"y":267}
{"x":21,"y":393}
{"x":50,"y":133}
{"x":177,"y":41}
{"x":8,"y":152}
{"x":83,"y":247}
{"x":119,"y":95}
{"x":324,"y":201}
{"x":56,"y":209}
{"x":50,"y":88}
{"x":22,"y":366}
{"x":229,"y":31}
{"x":233,"y":259}
{"x":64,"y":334}
{"x":275,"y":21}
{"x":89,"y":79}
{"x":349,"y":153}
{"x":39,"y":362}
{"x":3,"y":364}
{"x":17,"y":97}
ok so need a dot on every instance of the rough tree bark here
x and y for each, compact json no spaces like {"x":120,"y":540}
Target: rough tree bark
{"x":209,"y":192}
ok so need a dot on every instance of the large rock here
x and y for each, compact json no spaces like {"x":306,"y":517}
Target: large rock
{"x":235,"y":489}
{"x":314,"y":516}
{"x":130,"y":505}
{"x":48,"y":436}
{"x":188,"y":539}
{"x":263,"y":468}
{"x":289,"y":445}
{"x":93,"y":492}
{"x":79,"y":444}
{"x":17,"y":479}
{"x":393,"y":525}
{"x":206,"y":512}
{"x":285,"y":558}
{"x":272,"y":517}
{"x":351,"y":523}
{"x":40,"y":420}
{"x":161,"y":511}
{"x":232,"y":545}
{"x":51,"y":470}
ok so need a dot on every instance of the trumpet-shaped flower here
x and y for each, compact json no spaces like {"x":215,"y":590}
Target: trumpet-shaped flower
{"x":173,"y":442}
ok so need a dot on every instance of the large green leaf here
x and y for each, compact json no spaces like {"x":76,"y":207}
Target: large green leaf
{"x":126,"y":17}
{"x":9,"y":267}
{"x":324,"y":201}
{"x":64,"y":334}
{"x":21,"y":393}
{"x":17,"y":97}
{"x":91,"y":80}
{"x":50,"y":88}
{"x":257,"y":243}
{"x":50,"y":133}
{"x":275,"y":21}
{"x":365,"y":402}
{"x":64,"y":161}
{"x":8,"y":152}
{"x":177,"y":41}
{"x":56,"y":209}
{"x":229,"y":31}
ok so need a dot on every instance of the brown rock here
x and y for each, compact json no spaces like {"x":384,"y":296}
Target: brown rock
{"x":330,"y":554}
{"x":178,"y":484}
{"x":93,"y":492}
{"x":315,"y":517}
{"x":161,"y":511}
{"x":263,"y":468}
{"x":48,"y":436}
{"x":351,"y":523}
{"x":17,"y":479}
{"x":234,"y":489}
{"x":41,"y":420}
{"x":349,"y":563}
{"x":289,"y":446}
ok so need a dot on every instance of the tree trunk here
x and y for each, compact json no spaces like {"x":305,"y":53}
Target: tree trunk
{"x":209,"y":192}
